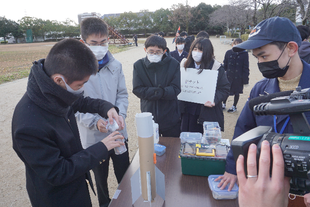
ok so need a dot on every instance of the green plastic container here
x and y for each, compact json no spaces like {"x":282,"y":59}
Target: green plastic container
{"x":202,"y":166}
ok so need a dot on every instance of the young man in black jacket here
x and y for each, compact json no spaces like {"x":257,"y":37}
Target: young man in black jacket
{"x":156,"y":81}
{"x":44,"y":130}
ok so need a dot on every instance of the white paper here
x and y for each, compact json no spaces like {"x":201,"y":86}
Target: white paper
{"x":198,"y":88}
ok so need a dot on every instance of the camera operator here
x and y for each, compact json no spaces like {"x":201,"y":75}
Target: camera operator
{"x":259,"y":189}
{"x":274,"y":42}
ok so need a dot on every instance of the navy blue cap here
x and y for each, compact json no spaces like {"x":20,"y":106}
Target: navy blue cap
{"x":274,"y":29}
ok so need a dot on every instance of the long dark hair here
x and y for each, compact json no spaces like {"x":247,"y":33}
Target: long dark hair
{"x":206,"y":47}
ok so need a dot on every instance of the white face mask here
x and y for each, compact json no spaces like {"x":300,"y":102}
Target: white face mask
{"x":99,"y":51}
{"x":180,"y":47}
{"x":154,"y":58}
{"x":69,"y":89}
{"x":197,"y":56}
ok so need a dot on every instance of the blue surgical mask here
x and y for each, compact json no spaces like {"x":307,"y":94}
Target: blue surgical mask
{"x":69,"y":89}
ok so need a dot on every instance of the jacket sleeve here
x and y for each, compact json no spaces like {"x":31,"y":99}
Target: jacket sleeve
{"x":142,"y":91}
{"x":48,"y":162}
{"x":245,"y":69}
{"x":225,"y":62}
{"x":222,"y":87}
{"x":174,"y":88}
{"x":122,"y":95}
{"x":88,"y":120}
{"x":90,"y":105}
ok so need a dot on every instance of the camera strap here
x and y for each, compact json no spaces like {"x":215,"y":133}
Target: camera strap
{"x":275,"y":124}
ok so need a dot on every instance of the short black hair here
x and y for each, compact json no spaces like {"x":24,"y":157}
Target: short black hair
{"x":72,"y":59}
{"x":184,"y":33}
{"x":202,"y":34}
{"x":303,"y":31}
{"x":280,"y":45}
{"x":161,"y":34}
{"x":237,"y":40}
{"x":93,"y":25}
{"x":179,"y":40}
{"x":155,"y":40}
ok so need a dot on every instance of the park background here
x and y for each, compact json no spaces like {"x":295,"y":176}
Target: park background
{"x":231,"y":20}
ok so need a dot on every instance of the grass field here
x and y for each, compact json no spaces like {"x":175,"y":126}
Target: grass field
{"x":16,"y":59}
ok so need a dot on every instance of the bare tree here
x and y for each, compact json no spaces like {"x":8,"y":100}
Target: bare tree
{"x":181,"y":15}
{"x":304,"y":6}
{"x":238,"y":16}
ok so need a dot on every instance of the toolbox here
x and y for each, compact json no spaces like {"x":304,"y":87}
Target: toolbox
{"x":202,"y":165}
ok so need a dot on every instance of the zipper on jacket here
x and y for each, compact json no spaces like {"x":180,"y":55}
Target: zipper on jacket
{"x":156,"y":103}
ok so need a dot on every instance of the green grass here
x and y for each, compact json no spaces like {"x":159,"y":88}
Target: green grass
{"x":16,"y":59}
{"x":14,"y":76}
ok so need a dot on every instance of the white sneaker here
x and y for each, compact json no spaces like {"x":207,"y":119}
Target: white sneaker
{"x":223,"y":106}
{"x":232,"y":109}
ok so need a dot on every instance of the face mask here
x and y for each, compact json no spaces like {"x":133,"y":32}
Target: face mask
{"x":99,"y":51}
{"x":154,"y":58}
{"x":180,"y":47}
{"x":69,"y":89}
{"x":272,"y":69}
{"x":197,"y":56}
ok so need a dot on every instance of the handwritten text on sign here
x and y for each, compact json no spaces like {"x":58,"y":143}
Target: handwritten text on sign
{"x":197,"y":88}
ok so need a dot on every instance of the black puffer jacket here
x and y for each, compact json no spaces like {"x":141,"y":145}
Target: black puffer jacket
{"x":158,"y":85}
{"x":46,"y":138}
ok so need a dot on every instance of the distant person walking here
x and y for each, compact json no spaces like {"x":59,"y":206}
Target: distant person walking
{"x":135,"y":38}
{"x":236,"y":65}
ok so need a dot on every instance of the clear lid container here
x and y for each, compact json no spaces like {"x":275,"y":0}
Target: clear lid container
{"x":190,"y":137}
{"x":222,"y":194}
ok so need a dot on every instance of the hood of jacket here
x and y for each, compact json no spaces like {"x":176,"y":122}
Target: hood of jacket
{"x":304,"y":49}
{"x":45,"y":93}
{"x":166,"y":57}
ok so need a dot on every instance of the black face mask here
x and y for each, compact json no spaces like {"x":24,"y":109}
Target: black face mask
{"x":271,"y":69}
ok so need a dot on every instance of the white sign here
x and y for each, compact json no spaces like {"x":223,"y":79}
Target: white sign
{"x":198,"y":88}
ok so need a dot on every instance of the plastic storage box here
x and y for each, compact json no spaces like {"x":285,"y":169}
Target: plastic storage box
{"x":190,"y":137}
{"x":221,"y":194}
{"x":159,"y":149}
{"x":203,"y":165}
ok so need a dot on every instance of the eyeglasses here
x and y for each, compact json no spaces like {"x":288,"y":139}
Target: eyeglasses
{"x":154,"y":53}
{"x":97,"y":44}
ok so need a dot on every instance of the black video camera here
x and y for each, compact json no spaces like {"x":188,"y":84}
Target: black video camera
{"x":295,"y":147}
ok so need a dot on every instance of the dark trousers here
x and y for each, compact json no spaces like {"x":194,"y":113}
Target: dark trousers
{"x":236,"y":99}
{"x":172,"y":131}
{"x":120,"y":164}
{"x":189,"y":123}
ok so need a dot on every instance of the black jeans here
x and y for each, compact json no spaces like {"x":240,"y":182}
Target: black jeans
{"x":172,"y":131}
{"x":120,"y":164}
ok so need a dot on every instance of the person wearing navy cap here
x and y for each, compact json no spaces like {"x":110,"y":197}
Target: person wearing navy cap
{"x":274,"y":42}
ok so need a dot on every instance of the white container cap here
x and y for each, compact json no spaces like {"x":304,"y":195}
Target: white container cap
{"x":144,"y":124}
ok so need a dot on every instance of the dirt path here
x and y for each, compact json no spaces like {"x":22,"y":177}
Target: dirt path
{"x":12,"y":173}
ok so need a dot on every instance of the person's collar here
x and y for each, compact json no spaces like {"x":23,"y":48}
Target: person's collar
{"x":196,"y":66}
{"x":45,"y":93}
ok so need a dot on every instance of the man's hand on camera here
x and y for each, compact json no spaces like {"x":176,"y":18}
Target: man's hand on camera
{"x":110,"y":142}
{"x":257,"y":190}
{"x":227,"y":179}
{"x":307,"y":199}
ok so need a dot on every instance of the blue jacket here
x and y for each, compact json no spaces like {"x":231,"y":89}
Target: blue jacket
{"x":247,"y":120}
{"x":175,"y":55}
